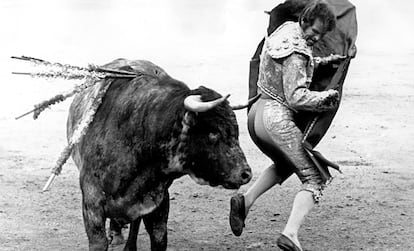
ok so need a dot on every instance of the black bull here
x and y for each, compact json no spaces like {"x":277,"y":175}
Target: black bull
{"x":143,"y":137}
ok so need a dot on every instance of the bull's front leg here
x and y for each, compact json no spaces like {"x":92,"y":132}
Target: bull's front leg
{"x":131,"y":244}
{"x":156,"y":225}
{"x":94,"y":217}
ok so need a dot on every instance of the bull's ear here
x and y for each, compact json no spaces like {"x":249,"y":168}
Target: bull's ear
{"x":267,"y":12}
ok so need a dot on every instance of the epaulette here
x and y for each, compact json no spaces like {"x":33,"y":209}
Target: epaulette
{"x":287,"y":39}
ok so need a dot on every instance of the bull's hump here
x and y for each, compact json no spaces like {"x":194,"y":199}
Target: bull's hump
{"x":138,"y":66}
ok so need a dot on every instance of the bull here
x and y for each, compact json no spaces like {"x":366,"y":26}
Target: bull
{"x":148,"y":131}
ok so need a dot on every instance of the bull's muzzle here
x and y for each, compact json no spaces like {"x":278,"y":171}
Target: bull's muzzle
{"x":239,"y":178}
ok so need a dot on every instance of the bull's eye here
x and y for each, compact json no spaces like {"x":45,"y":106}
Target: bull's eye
{"x":213,"y":137}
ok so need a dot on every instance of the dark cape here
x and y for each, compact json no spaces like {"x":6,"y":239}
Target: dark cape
{"x":340,"y":41}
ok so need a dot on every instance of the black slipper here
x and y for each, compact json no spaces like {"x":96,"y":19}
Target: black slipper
{"x":237,"y":214}
{"x":286,"y":244}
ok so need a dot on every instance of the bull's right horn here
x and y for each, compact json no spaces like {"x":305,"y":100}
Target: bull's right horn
{"x":249,"y":103}
{"x":195,"y":104}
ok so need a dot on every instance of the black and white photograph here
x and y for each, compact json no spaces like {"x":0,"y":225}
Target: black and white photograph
{"x":207,"y":125}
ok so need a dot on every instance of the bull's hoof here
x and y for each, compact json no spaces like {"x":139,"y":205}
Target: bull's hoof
{"x":116,"y":239}
{"x":130,"y":247}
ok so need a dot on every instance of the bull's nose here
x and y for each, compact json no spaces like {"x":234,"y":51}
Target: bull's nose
{"x":246,"y":176}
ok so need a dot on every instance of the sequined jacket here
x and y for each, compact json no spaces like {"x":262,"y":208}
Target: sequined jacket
{"x":286,"y":69}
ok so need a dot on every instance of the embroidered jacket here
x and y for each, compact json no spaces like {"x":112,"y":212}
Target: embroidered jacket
{"x":286,"y":69}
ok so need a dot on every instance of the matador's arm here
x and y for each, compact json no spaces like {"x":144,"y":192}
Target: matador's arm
{"x":296,"y":87}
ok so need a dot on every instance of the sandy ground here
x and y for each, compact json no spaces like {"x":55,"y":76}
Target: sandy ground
{"x":368,"y":207}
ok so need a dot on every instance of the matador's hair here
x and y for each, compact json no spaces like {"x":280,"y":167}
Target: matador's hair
{"x":319,"y":9}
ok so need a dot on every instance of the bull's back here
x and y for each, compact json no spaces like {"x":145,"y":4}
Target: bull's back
{"x":83,"y":102}
{"x":124,"y":113}
{"x":137,"y":66}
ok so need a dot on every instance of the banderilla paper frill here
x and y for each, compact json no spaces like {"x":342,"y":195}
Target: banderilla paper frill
{"x":90,"y":76}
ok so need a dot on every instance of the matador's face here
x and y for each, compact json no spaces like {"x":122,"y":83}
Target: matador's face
{"x":313,"y":33}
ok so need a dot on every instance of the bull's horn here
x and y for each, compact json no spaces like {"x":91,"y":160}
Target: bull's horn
{"x":249,"y":103}
{"x":267,"y":12}
{"x":195,"y":104}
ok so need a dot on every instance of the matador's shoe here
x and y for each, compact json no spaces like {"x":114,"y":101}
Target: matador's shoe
{"x":286,"y":244}
{"x":237,"y":214}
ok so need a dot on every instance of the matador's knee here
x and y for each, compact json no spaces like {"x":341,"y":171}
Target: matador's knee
{"x":316,"y":191}
{"x":312,"y":182}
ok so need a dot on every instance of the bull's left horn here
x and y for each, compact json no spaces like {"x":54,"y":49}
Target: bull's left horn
{"x":195,"y":104}
{"x":249,"y":103}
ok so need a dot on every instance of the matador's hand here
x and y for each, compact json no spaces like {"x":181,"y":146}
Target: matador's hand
{"x":332,"y":100}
